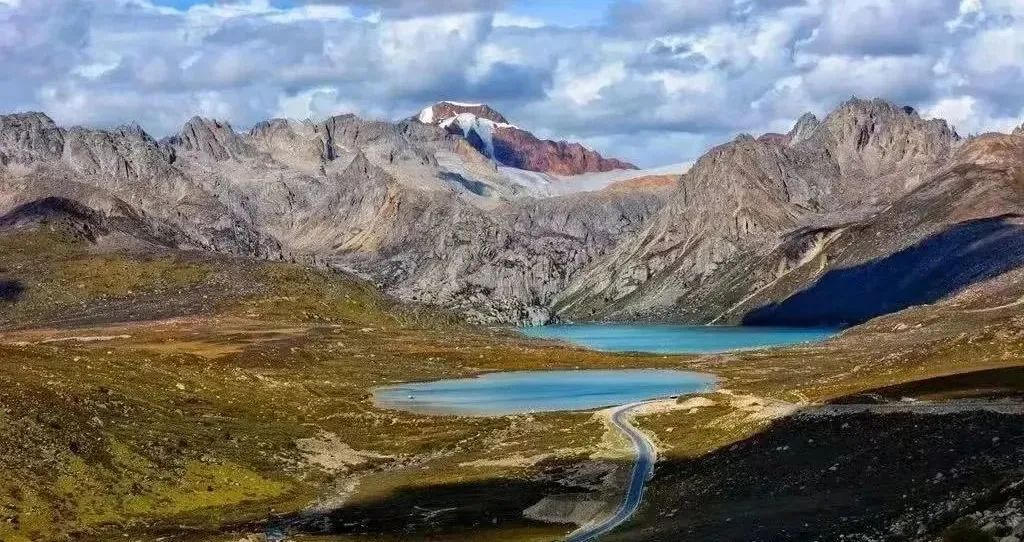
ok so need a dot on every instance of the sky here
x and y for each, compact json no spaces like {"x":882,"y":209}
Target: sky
{"x":651,"y":81}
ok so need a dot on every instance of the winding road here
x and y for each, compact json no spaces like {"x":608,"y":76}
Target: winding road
{"x":643,"y":468}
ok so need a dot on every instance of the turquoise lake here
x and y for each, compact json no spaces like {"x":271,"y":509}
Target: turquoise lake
{"x":519,"y":392}
{"x":677,"y":339}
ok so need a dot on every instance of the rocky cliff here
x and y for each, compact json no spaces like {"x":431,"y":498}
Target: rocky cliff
{"x":491,"y":133}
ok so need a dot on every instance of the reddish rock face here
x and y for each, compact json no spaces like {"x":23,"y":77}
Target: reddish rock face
{"x":521,"y":149}
{"x":447,"y":110}
{"x":518,"y":148}
{"x":648,"y":183}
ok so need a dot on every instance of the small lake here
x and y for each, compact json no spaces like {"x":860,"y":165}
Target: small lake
{"x":677,"y":339}
{"x":519,"y":392}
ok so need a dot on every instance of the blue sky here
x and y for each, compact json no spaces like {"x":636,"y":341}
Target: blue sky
{"x":557,"y":12}
{"x":566,"y":13}
{"x":650,"y":81}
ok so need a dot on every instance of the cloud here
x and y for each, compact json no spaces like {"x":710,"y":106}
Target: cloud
{"x":653,"y":81}
{"x":897,"y":78}
{"x":968,"y":115}
{"x":646,"y":17}
{"x":40,"y":39}
{"x":883,"y":27}
{"x":412,"y":8}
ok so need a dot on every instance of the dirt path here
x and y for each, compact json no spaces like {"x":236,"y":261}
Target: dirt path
{"x":1012,"y":304}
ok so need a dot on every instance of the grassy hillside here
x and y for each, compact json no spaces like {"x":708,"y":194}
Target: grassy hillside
{"x":182,"y":392}
{"x":184,"y":395}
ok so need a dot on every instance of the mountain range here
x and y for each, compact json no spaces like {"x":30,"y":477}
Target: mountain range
{"x":868,"y":210}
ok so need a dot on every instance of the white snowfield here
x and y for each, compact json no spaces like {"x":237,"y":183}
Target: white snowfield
{"x":546,"y":185}
{"x":487,"y":184}
{"x":484,"y":128}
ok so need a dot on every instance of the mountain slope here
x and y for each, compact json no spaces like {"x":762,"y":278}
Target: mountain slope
{"x":960,"y":228}
{"x":872,"y":199}
{"x":415,"y":209}
{"x":728,"y":230}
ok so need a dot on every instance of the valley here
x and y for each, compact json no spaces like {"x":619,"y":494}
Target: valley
{"x":247,"y":409}
{"x":511,"y":271}
{"x":193,"y":330}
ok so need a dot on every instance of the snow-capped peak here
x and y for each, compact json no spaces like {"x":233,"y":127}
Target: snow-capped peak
{"x":441,"y":111}
{"x":427,"y":115}
{"x":461,"y":104}
{"x":485,"y":128}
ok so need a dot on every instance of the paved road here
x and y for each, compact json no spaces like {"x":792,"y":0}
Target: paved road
{"x":642,"y":470}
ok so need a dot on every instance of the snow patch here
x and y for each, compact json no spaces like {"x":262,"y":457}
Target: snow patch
{"x":427,"y":115}
{"x":461,"y":104}
{"x":484,"y":128}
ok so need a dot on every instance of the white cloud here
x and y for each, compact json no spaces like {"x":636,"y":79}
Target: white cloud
{"x":581,"y":87}
{"x":969,"y":116}
{"x":657,"y":77}
{"x":503,"y":19}
{"x":834,"y":78}
{"x":316,"y":104}
{"x":318,"y":13}
{"x":995,"y":49}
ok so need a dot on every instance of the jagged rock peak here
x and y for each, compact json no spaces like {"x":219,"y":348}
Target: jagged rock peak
{"x":872,"y":137}
{"x":1018,"y":131}
{"x":861,"y":110}
{"x":264,"y":126}
{"x":27,"y":117}
{"x":876,"y":104}
{"x":212,"y":138}
{"x":209,"y":124}
{"x":442,"y":111}
{"x":133,"y":129}
{"x":804,"y":127}
{"x":29,"y":137}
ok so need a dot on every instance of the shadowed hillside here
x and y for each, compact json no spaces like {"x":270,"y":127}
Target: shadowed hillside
{"x":933,"y":269}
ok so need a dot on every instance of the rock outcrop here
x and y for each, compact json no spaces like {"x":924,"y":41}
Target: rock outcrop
{"x":28,"y":137}
{"x":211,"y":138}
{"x":521,"y":149}
{"x":490,"y":132}
{"x":751,"y":210}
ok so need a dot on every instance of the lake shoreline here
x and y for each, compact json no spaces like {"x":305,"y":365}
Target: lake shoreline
{"x":530,"y":392}
{"x":674,"y":339}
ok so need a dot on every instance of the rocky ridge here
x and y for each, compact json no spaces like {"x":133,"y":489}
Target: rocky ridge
{"x":406,"y":205}
{"x":760,"y":230}
{"x":754,"y":219}
{"x":491,"y":133}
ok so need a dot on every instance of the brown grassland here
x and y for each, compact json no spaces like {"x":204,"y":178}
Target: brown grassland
{"x":201,"y":397}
